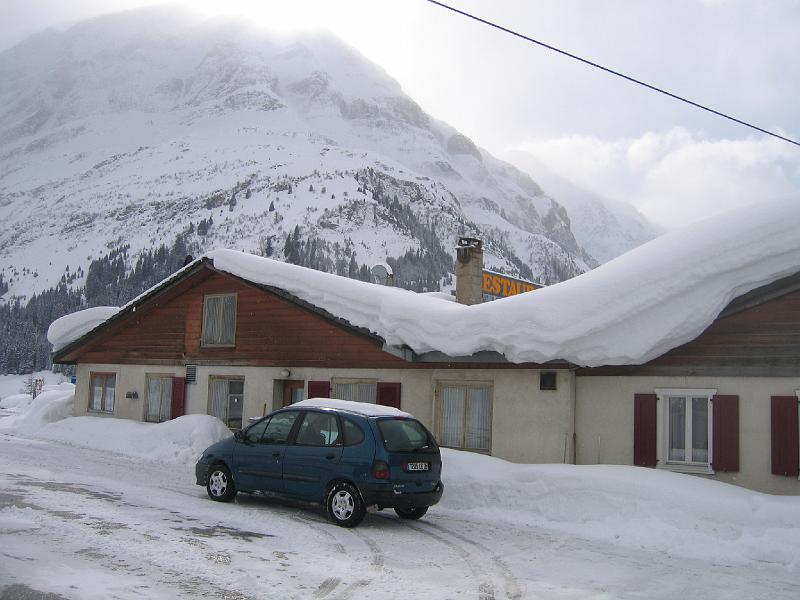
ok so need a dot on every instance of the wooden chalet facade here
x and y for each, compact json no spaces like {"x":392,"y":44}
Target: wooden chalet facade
{"x":724,"y":405}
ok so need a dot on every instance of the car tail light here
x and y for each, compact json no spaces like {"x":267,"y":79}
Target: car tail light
{"x":380,"y":470}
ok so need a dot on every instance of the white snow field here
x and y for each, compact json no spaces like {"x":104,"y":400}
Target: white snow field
{"x":95,"y":508}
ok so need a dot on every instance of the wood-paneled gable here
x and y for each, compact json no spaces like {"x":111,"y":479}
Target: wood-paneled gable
{"x":270,"y":331}
{"x":757,"y":338}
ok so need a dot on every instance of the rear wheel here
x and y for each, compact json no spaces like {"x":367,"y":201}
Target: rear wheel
{"x":220,"y":486}
{"x":411,"y":513}
{"x":345,"y":506}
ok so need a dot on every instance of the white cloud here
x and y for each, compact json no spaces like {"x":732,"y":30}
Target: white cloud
{"x":675,"y":177}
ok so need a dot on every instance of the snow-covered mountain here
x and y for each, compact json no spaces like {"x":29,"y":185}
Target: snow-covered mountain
{"x":606,"y":228}
{"x":136,"y":127}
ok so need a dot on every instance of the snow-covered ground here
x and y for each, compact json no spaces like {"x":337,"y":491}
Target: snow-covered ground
{"x":104,"y":508}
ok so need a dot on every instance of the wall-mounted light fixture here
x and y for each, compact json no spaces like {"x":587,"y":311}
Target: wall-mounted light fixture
{"x":132,"y":394}
{"x":286,"y":373}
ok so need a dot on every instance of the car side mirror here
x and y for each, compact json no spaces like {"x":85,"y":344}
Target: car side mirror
{"x":239,"y":435}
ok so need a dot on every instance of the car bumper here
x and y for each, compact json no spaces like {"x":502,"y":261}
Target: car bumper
{"x":384,"y":496}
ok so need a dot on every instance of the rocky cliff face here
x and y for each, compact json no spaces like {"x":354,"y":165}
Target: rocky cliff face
{"x":134,"y":128}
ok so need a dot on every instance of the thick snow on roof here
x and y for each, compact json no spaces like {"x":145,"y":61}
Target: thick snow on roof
{"x":70,"y":327}
{"x":627,"y":311}
{"x":361,"y":408}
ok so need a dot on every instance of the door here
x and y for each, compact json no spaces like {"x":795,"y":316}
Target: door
{"x":258,"y":456}
{"x":311,"y":461}
{"x":293,"y":392}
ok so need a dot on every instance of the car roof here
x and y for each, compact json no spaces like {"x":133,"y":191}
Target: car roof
{"x":360,"y":408}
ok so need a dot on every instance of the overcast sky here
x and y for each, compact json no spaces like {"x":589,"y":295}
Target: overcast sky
{"x":674,"y":162}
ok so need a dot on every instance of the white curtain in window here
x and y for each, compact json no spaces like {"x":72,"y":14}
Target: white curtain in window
{"x":346,"y":391}
{"x":479,"y":423}
{"x":452,"y":430}
{"x":368,"y":392}
{"x":154,"y":399}
{"x":97,"y":393}
{"x":219,"y":399}
{"x":213,"y":320}
{"x":108,"y":401}
{"x":677,"y":429}
{"x":228,"y":320}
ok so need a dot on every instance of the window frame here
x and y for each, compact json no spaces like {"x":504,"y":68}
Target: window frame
{"x":227,"y":379}
{"x":203,"y":342}
{"x":797,"y":395}
{"x":439,"y":408}
{"x":102,"y":409}
{"x":148,"y":377}
{"x":662,"y":429}
{"x":353,"y":381}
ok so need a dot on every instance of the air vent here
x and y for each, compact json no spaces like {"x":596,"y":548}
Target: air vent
{"x":547,"y":381}
{"x":191,"y":373}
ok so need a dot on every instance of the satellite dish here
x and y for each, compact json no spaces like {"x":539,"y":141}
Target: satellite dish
{"x":382,"y":274}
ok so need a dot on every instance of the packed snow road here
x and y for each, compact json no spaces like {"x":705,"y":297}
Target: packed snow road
{"x":80,"y":523}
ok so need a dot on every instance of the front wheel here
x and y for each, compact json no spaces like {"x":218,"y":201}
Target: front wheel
{"x":220,"y":486}
{"x":411,"y":513}
{"x":345,"y":506}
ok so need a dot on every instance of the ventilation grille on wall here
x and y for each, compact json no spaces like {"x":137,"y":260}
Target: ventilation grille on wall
{"x":191,"y":373}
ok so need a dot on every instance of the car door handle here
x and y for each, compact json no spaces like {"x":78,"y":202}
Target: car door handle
{"x":330,"y":456}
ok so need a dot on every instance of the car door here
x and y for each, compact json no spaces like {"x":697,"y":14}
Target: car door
{"x":312,"y":458}
{"x":258,"y":457}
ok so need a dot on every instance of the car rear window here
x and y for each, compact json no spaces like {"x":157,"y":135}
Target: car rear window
{"x":404,"y":435}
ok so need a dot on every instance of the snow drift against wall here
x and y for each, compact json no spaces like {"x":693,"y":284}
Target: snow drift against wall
{"x":627,"y":311}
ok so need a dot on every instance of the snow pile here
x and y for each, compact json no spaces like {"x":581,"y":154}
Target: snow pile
{"x":632,"y":506}
{"x":16,"y":401}
{"x":627,"y":311}
{"x":180,"y":440}
{"x":53,"y":404}
{"x":70,"y":327}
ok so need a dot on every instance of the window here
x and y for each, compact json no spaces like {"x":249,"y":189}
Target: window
{"x":353,"y":434}
{"x":219,"y":320}
{"x":226,"y":401}
{"x":686,"y":428}
{"x":279,"y":428}
{"x":101,"y":392}
{"x":547,"y":381}
{"x":356,"y":390}
{"x":319,"y":429}
{"x":465,"y":416}
{"x":404,"y":435}
{"x":159,"y":398}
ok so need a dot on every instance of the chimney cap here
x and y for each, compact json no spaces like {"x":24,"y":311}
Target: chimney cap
{"x":469,"y":242}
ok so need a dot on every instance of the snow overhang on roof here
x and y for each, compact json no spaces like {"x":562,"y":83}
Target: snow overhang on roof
{"x":627,"y":311}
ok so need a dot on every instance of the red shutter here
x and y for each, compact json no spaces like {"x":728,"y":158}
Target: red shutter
{"x":319,"y":389}
{"x":725,"y":433}
{"x":785,"y":457}
{"x":389,"y":394}
{"x":644,"y":430}
{"x":178,"y":396}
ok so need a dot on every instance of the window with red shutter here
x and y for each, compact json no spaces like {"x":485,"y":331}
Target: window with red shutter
{"x":644,"y":430}
{"x":389,"y":394}
{"x":784,"y":426}
{"x":725,"y":433}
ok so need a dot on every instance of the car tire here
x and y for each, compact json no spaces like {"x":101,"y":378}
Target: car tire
{"x":411,"y":513}
{"x":345,"y":506}
{"x":220,"y":486}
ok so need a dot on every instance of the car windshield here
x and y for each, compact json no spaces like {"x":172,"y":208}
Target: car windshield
{"x":405,"y":435}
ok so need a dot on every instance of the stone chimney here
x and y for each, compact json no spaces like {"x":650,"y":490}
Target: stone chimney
{"x":469,"y":271}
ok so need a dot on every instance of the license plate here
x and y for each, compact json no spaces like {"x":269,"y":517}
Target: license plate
{"x":417,"y":466}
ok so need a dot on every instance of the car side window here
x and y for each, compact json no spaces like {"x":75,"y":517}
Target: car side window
{"x":279,"y":428}
{"x":319,"y":429}
{"x":353,"y":434}
{"x":255,"y":431}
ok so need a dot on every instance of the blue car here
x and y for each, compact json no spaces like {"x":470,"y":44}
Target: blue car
{"x":345,"y":455}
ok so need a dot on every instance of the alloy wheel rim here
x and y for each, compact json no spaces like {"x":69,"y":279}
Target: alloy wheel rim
{"x":342,"y":505}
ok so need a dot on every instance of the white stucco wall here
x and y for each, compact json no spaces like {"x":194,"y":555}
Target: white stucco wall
{"x":605,"y":422}
{"x":528,"y":424}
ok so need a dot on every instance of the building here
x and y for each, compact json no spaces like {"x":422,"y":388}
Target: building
{"x":683,"y":354}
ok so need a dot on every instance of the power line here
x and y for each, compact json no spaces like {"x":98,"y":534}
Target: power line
{"x":612,"y":71}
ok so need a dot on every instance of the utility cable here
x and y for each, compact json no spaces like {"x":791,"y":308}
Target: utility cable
{"x":611,"y":71}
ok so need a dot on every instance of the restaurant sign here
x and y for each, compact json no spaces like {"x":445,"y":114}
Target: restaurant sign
{"x":501,"y":286}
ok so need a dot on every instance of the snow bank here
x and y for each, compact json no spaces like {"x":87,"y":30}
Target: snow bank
{"x":16,"y":401}
{"x":637,"y":507}
{"x":180,"y":440}
{"x":70,"y":327}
